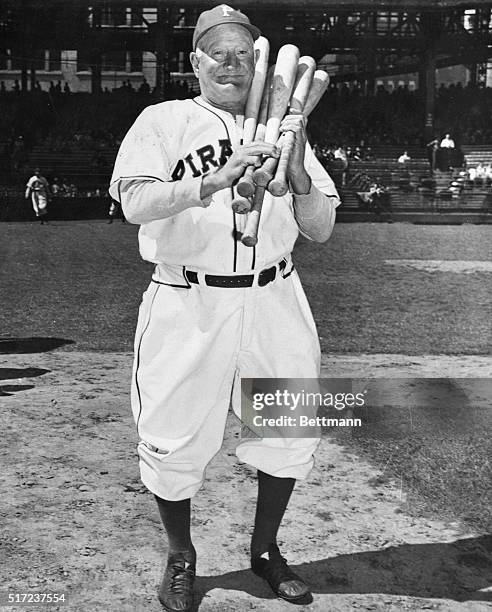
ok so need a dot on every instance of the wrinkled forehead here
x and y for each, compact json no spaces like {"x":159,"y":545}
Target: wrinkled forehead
{"x":226,"y":34}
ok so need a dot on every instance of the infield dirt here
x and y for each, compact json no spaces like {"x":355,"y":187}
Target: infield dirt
{"x":77,"y":520}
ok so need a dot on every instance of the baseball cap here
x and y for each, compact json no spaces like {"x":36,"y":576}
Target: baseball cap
{"x":219,"y":15}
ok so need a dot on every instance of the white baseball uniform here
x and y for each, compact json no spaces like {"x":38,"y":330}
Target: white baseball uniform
{"x":215,"y":310}
{"x":38,"y":187}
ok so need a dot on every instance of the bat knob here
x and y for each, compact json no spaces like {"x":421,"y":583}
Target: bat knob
{"x":245,"y":188}
{"x":241,"y":206}
{"x":277,"y":188}
{"x":249,"y":241}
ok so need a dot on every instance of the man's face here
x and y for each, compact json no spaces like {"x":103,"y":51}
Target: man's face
{"x":224,"y":64}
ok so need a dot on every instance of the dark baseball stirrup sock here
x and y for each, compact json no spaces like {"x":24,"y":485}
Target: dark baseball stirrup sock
{"x":273,"y":497}
{"x":176,"y":518}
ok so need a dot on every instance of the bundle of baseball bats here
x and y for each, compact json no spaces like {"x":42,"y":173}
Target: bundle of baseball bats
{"x":291,"y":86}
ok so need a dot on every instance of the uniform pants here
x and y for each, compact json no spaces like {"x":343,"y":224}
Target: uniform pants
{"x":39,"y":203}
{"x":193,"y":344}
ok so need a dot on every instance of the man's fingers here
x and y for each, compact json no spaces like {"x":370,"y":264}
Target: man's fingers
{"x":294,"y":123}
{"x":262,"y":148}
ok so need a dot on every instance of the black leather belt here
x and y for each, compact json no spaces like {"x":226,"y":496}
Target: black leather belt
{"x":239,"y":280}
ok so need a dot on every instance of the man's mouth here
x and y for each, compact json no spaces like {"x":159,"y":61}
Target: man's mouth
{"x":230,"y":78}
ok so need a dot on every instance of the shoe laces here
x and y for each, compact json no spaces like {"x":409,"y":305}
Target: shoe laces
{"x":279,"y":570}
{"x":181,"y":578}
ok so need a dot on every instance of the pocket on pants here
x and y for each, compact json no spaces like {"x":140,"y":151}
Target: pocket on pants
{"x":151,"y":455}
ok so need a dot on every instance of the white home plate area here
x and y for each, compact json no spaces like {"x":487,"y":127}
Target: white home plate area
{"x":439,"y":265}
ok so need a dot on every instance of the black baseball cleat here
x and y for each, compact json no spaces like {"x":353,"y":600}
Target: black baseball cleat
{"x":283,"y":581}
{"x":176,"y":589}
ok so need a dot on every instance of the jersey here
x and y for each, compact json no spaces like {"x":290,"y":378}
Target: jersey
{"x":39,"y":184}
{"x":181,"y":141}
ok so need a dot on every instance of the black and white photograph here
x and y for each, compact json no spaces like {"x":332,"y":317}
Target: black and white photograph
{"x":246,"y":305}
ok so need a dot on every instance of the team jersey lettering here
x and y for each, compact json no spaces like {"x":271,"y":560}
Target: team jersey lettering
{"x":203,"y":160}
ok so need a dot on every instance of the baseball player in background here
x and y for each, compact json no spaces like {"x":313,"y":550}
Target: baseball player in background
{"x":39,"y":190}
{"x":216,"y":310}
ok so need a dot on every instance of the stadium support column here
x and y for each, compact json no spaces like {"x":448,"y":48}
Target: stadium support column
{"x":427,"y":84}
{"x":96,"y":75}
{"x":162,"y":33}
{"x":95,"y":57}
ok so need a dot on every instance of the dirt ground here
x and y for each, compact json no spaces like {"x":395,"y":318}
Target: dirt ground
{"x":77,"y":520}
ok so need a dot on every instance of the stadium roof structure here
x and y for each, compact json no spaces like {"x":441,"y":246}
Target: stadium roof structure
{"x":384,"y":37}
{"x":328,"y":5}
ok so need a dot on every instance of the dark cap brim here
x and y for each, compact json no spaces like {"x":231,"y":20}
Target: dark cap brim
{"x":253,"y":30}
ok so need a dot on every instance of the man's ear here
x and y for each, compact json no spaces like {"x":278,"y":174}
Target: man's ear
{"x":195,"y":62}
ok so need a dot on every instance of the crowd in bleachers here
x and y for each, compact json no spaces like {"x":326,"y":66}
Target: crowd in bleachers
{"x":346,"y":116}
{"x":64,"y":121}
{"x":345,"y":128}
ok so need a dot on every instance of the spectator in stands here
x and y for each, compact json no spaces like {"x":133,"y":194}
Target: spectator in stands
{"x":19,"y":154}
{"x":432,"y":148}
{"x":144,"y":88}
{"x":340,"y":153}
{"x":404,"y":158}
{"x":447,"y":142}
{"x":38,"y":190}
{"x":488,"y":173}
{"x":376,"y":198}
{"x":2,"y":87}
{"x":480,"y":174}
{"x":357,"y":154}
{"x":56,"y":188}
{"x":66,"y":88}
{"x":340,"y":165}
{"x":16,"y":86}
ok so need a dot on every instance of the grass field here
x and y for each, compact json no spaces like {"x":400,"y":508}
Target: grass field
{"x":82,"y":281}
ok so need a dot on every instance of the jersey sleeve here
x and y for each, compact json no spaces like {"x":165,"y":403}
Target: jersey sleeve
{"x":319,"y":176}
{"x":141,"y":181}
{"x":142,"y":153}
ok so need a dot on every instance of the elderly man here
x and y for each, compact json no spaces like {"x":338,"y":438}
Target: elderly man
{"x":217,"y":310}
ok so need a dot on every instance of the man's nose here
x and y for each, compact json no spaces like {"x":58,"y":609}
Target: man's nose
{"x":231,"y":60}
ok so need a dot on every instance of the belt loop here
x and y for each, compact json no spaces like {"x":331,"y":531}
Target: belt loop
{"x":185,"y":277}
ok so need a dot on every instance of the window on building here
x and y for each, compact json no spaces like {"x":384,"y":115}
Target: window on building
{"x":83,"y":61}
{"x":4,"y":59}
{"x":37,"y":59}
{"x":113,"y":16}
{"x":17,"y":59}
{"x":114,"y":61}
{"x":136,"y":62}
{"x":137,"y":16}
{"x":54,"y":60}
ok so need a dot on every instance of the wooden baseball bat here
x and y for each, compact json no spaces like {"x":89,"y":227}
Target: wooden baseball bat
{"x":279,"y":186}
{"x":255,"y":96}
{"x":245,"y":187}
{"x":318,"y":88}
{"x":250,"y":234}
{"x":319,"y":85}
{"x":304,"y":78}
{"x":283,"y":82}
